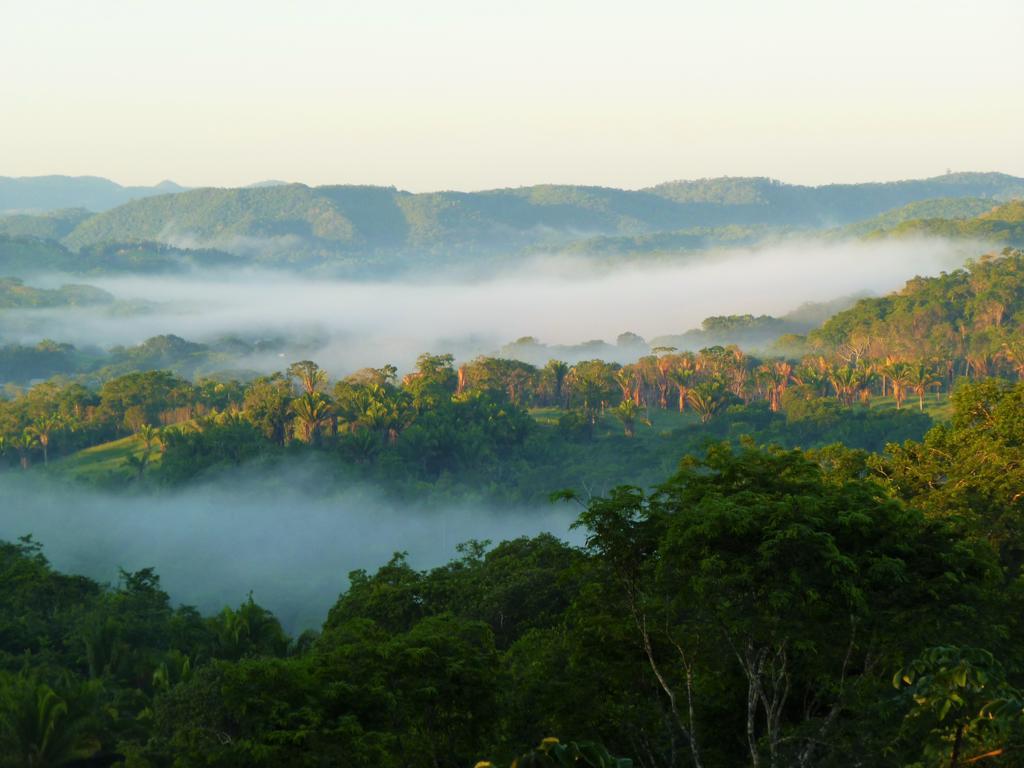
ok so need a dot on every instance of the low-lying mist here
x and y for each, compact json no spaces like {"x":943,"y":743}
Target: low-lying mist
{"x":556,"y":299}
{"x":273,"y":535}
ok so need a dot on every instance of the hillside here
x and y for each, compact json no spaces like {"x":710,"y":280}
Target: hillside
{"x":50,"y":226}
{"x":51,"y":193}
{"x":381,"y":226}
{"x":1000,"y":224}
{"x":281,"y":222}
{"x":14,"y":294}
{"x":25,"y":255}
{"x":941,"y":208}
{"x":835,"y":204}
{"x":969,"y":319}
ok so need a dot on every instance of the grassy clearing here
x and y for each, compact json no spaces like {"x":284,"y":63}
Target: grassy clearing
{"x":104,"y":463}
{"x":939,"y":408}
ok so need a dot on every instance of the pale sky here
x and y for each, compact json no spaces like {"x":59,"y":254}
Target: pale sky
{"x":471,"y":94}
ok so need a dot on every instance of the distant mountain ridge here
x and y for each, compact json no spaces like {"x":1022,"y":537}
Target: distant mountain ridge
{"x":42,"y":194}
{"x":340,"y":220}
{"x":384,"y":228}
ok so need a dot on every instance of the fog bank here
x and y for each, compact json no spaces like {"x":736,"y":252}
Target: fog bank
{"x":555,"y":299}
{"x":212,"y":544}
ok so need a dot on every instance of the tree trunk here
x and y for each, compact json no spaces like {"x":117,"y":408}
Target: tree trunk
{"x":954,"y":760}
{"x":755,"y":757}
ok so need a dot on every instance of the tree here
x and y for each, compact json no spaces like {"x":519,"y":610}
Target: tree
{"x":43,"y":429}
{"x":900,"y":375}
{"x":150,"y":436}
{"x":554,"y":373}
{"x":705,"y":401}
{"x":919,"y":379}
{"x":249,"y":630}
{"x":627,"y":412}
{"x":682,"y":378}
{"x":43,"y":728}
{"x":754,"y":561}
{"x":951,"y":691}
{"x":312,"y":412}
{"x":267,"y":405}
{"x":310,"y":376}
{"x":24,"y":443}
{"x":434,"y":380}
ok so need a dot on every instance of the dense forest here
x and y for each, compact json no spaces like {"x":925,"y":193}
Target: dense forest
{"x":444,"y":406}
{"x":509,"y":633}
{"x":791,"y":557}
{"x":760,"y":606}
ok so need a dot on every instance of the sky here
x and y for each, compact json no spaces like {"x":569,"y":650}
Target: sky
{"x":463,"y":94}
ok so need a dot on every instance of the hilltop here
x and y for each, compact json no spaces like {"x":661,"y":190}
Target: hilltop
{"x":374,"y":229}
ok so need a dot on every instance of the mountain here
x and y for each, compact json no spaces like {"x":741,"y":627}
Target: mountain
{"x":941,"y":208}
{"x":754,"y":332}
{"x":969,"y":318}
{"x":50,"y":193}
{"x":14,"y":294}
{"x":348,"y":225}
{"x":1001,"y":224}
{"x":53,"y":225}
{"x":25,"y":255}
{"x":835,"y":204}
{"x":361,"y":229}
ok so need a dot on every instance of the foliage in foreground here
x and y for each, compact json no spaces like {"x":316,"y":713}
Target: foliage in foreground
{"x":762,"y":607}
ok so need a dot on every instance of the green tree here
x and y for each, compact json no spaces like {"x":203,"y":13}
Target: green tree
{"x":312,"y":413}
{"x":311,"y":377}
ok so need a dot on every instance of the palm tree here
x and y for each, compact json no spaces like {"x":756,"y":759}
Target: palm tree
{"x":248,"y":631}
{"x":809,"y":375}
{"x":149,"y":435}
{"x":705,"y":402}
{"x":681,"y":377}
{"x":920,"y":378}
{"x":775,"y":379}
{"x":625,"y":377}
{"x":312,"y":411}
{"x":864,"y":379}
{"x":42,"y":429}
{"x":1013,"y":353}
{"x":23,"y":444}
{"x":310,"y":375}
{"x":556,"y":370}
{"x":666,"y":363}
{"x":138,"y":464}
{"x":899,"y":376}
{"x":44,"y":729}
{"x":844,"y":380}
{"x":627,"y":412}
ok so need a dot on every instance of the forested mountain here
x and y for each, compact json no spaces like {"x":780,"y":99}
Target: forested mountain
{"x":14,"y":294}
{"x":52,"y":225}
{"x":939,"y":208}
{"x":26,"y":255}
{"x":49,"y":193}
{"x":341,"y":226}
{"x":952,"y":218}
{"x":969,"y":320}
{"x":835,"y":204}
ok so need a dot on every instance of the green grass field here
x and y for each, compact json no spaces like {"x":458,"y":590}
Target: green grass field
{"x":105,"y":463}
{"x":938,"y":409}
